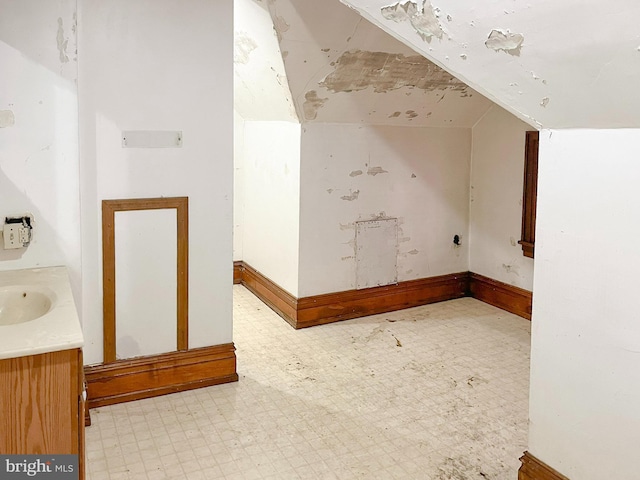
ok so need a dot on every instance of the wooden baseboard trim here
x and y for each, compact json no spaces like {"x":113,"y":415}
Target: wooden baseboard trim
{"x":534,"y":469}
{"x":151,"y":376}
{"x":238,"y":267}
{"x":280,"y":301}
{"x":333,"y":307}
{"x":502,"y":295}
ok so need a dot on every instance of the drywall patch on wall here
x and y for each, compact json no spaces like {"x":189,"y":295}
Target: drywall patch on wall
{"x":7,"y":118}
{"x":62,"y":42}
{"x":376,"y":253}
{"x":243,"y":46}
{"x":311,"y":104}
{"x":500,"y":40}
{"x":424,"y":20}
{"x":359,"y":69}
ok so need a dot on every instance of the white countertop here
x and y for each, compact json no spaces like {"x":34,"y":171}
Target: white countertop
{"x":59,"y":329}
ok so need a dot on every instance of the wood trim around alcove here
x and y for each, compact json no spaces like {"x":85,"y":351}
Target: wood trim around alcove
{"x":109,"y":209}
{"x":116,"y":381}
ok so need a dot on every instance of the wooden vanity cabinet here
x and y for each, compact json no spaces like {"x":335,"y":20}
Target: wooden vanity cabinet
{"x":42,"y":406}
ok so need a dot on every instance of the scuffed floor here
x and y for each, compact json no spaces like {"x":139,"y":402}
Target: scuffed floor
{"x":435,"y":392}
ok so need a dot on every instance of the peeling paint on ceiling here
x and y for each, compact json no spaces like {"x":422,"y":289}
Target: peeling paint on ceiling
{"x":505,"y":41}
{"x":353,"y":195}
{"x":424,"y":20}
{"x":243,"y":46}
{"x":373,"y":171}
{"x":62,"y":42}
{"x":280,"y":26}
{"x":384,"y":72}
{"x":341,"y":68}
{"x":311,"y":104}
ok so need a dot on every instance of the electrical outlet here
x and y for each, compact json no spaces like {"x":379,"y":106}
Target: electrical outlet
{"x":12,"y":234}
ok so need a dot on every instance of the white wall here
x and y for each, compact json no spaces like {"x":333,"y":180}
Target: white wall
{"x":585,"y":362}
{"x":160,"y":65}
{"x":425,"y":186}
{"x":238,"y":185}
{"x":39,"y":132}
{"x":272,"y":200}
{"x":497,"y":173}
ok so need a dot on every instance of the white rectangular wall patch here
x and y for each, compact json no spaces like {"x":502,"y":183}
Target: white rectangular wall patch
{"x":376,"y":253}
{"x":151,"y":139}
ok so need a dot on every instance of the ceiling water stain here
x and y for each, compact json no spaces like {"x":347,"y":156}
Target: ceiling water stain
{"x":411,"y":114}
{"x":395,"y":115}
{"x":311,"y":104}
{"x":359,"y":69}
{"x":355,"y":173}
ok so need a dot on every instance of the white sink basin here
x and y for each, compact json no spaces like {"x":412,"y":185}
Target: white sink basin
{"x":19,"y":304}
{"x":37,"y":312}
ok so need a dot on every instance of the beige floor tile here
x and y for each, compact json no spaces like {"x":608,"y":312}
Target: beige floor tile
{"x":433,"y":392}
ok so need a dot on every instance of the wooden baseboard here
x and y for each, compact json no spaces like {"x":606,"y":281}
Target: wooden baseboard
{"x":333,"y":307}
{"x":238,"y":267}
{"x":502,"y":295}
{"x":534,"y":469}
{"x":281,"y":301}
{"x":151,"y":376}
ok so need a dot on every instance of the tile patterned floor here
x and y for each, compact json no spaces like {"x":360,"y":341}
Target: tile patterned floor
{"x":435,"y":392}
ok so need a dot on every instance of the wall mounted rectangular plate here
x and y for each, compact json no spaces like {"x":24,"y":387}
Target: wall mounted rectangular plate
{"x":151,"y":139}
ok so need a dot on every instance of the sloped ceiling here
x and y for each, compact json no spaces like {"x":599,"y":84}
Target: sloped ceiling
{"x":341,"y":68}
{"x":260,"y":88}
{"x":553,"y":63}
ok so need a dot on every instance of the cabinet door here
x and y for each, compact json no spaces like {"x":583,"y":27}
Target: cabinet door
{"x":39,"y":404}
